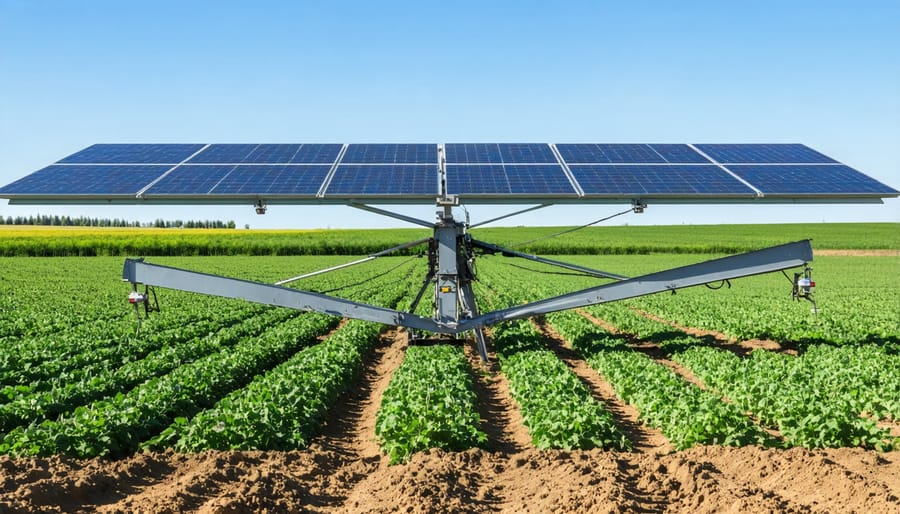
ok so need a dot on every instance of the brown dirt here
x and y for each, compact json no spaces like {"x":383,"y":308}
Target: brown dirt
{"x":704,"y":479}
{"x":344,"y":471}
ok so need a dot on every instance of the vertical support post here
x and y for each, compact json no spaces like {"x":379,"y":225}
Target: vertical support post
{"x":447,"y":284}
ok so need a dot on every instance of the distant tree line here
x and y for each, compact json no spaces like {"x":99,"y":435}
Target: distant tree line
{"x":82,"y":221}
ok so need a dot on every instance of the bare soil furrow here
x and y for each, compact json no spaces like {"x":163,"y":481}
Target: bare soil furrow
{"x":643,"y":437}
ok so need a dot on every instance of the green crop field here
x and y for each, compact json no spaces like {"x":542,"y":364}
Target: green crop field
{"x":82,"y":241}
{"x":76,"y":379}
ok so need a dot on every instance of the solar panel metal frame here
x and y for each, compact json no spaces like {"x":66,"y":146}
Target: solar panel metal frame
{"x":334,"y":157}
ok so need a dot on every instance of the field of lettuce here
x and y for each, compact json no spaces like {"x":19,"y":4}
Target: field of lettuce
{"x":223,"y":374}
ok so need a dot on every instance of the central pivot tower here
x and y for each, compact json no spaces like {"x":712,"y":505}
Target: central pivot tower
{"x":451,"y":264}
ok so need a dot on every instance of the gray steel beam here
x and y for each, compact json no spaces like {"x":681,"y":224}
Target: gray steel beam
{"x":776,"y":258}
{"x":771,"y":259}
{"x":138,"y":272}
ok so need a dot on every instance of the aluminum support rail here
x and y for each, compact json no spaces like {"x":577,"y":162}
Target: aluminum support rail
{"x":574,"y":267}
{"x":771,"y":259}
{"x":137,"y":271}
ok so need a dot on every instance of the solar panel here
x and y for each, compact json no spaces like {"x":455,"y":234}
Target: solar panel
{"x":763,"y":154}
{"x":476,"y":172}
{"x":509,"y":179}
{"x":223,"y":154}
{"x":663,"y":180}
{"x":288,"y":179}
{"x":133,"y":154}
{"x":268,"y":154}
{"x":77,"y":179}
{"x":498,"y":153}
{"x":809,"y":179}
{"x":390,"y":154}
{"x":608,"y":153}
{"x":314,"y":153}
{"x":678,"y":154}
{"x":351,"y":180}
{"x":629,"y":154}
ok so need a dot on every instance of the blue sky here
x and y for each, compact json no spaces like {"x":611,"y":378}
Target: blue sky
{"x":823,"y":73}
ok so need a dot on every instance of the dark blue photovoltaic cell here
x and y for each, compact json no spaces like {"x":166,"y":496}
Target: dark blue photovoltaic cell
{"x":268,"y":154}
{"x":83,"y":179}
{"x":508,"y":179}
{"x":499,"y":153}
{"x":629,"y":154}
{"x":276,"y":154}
{"x":764,"y":154}
{"x":809,"y":179}
{"x":670,"y":179}
{"x":244,"y":179}
{"x":191,"y":180}
{"x":608,"y":153}
{"x":522,"y":153}
{"x":315,"y":154}
{"x":132,"y":154}
{"x":390,"y":154}
{"x":398,"y":179}
{"x":678,"y":154}
{"x":223,"y":154}
{"x":485,"y":153}
{"x":292,"y":179}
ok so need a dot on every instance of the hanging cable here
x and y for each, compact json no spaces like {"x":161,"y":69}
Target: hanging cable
{"x":566,"y":273}
{"x":370,"y":278}
{"x":568,"y":231}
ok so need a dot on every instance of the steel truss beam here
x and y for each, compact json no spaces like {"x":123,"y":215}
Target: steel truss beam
{"x":466,"y":316}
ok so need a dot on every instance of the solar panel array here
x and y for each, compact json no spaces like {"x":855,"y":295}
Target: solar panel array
{"x":419,"y":173}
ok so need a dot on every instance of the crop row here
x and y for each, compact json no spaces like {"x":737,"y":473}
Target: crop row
{"x":429,"y":403}
{"x":686,"y":414}
{"x":783,"y":391}
{"x":856,"y":297}
{"x":71,"y":356}
{"x":116,"y":426}
{"x":62,"y":394}
{"x":283,"y":408}
{"x":557,"y":408}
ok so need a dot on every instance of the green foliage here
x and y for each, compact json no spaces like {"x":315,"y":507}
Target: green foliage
{"x":798,"y":395}
{"x":283,"y":408}
{"x":686,"y":414}
{"x":557,"y":408}
{"x":429,"y":403}
{"x":607,"y":240}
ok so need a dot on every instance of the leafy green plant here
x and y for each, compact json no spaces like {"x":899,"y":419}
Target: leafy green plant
{"x":429,"y":403}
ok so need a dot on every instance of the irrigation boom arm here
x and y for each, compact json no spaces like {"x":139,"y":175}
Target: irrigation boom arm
{"x":776,"y":258}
